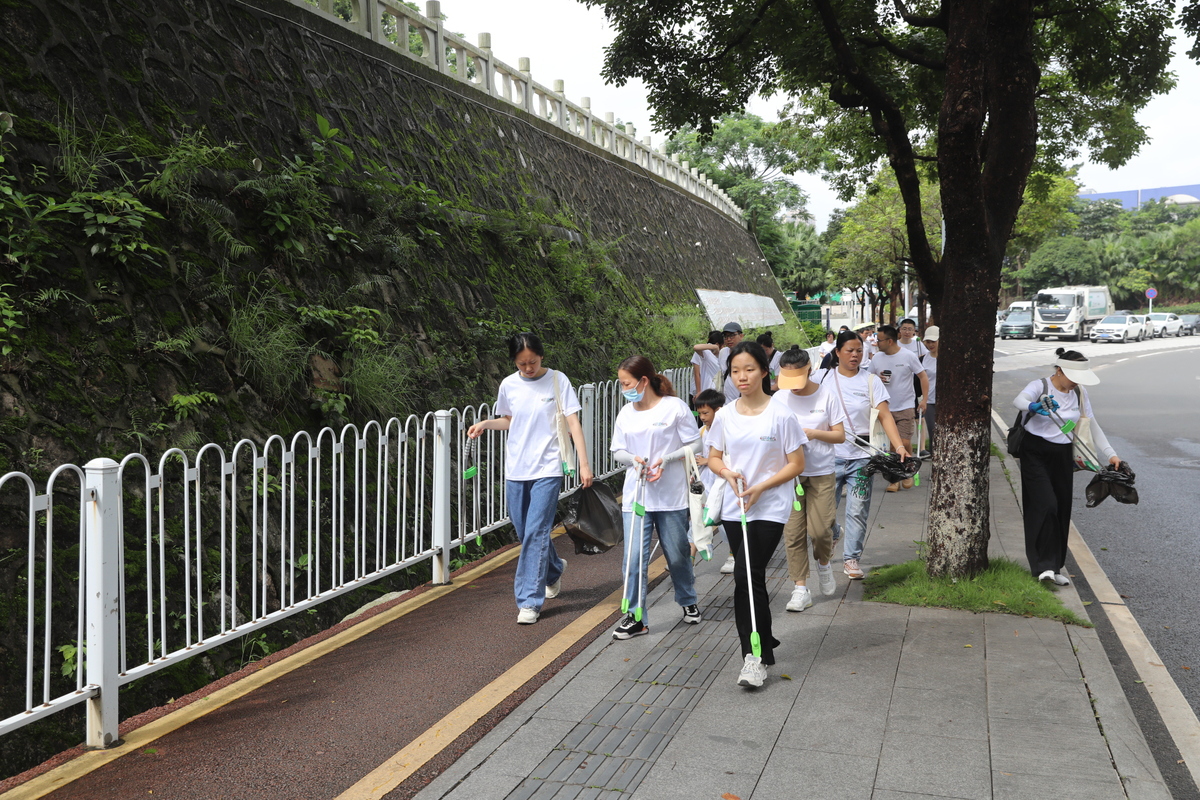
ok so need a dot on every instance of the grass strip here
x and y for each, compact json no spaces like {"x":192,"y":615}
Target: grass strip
{"x":1004,"y":587}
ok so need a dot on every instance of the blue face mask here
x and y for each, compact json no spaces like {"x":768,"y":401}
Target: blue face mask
{"x":633,"y":395}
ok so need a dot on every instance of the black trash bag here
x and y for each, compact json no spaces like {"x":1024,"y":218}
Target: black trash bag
{"x":1115,"y":481}
{"x":594,"y":520}
{"x":891,"y":467}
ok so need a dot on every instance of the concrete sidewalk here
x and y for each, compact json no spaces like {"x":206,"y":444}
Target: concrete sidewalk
{"x":866,"y":701}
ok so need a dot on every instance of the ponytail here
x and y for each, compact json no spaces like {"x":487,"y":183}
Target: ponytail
{"x":640,"y":367}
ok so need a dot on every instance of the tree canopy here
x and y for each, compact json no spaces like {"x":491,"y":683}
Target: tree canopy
{"x":972,"y":93}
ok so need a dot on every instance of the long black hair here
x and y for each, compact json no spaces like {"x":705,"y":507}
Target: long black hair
{"x":758,"y":354}
{"x":795,"y":357}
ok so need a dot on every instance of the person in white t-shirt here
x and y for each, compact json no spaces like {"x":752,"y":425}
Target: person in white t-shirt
{"x":1048,"y":459}
{"x":525,"y":407}
{"x":731,"y":336}
{"x":652,"y":436}
{"x":932,"y":335}
{"x":760,"y":444}
{"x":820,"y":416}
{"x":826,"y":346}
{"x":858,"y":391}
{"x":705,"y":367}
{"x":707,"y":404}
{"x":897,"y":368}
{"x":767,"y":342}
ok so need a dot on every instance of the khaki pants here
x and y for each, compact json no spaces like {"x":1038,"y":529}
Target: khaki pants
{"x":814,"y":522}
{"x":906,"y":426}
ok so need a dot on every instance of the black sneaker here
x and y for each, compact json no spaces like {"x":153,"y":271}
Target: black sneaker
{"x":629,"y":628}
{"x":691,"y":614}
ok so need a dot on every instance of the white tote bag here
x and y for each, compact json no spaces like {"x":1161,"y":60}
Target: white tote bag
{"x":565,"y":448}
{"x":701,"y":532}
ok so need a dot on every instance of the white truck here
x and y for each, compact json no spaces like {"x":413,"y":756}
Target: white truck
{"x":1069,"y":312}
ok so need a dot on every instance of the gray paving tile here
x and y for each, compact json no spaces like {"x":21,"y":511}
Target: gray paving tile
{"x":1039,"y":699}
{"x":887,"y":794}
{"x":810,"y":773}
{"x":1016,"y":786}
{"x":819,"y":724}
{"x":938,"y":712}
{"x":935,"y":765}
{"x":528,"y":746}
{"x":671,"y":781}
{"x":1031,"y":747}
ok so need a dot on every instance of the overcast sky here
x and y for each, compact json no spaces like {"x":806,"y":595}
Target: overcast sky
{"x":565,"y":40}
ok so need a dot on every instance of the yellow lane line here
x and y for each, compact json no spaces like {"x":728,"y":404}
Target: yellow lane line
{"x":417,"y":753}
{"x":87,"y":762}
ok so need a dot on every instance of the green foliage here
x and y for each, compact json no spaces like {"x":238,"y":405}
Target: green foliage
{"x":10,"y":320}
{"x":1005,"y":587}
{"x":1063,"y":261}
{"x":380,"y":379}
{"x":185,"y":404}
{"x":271,"y":344}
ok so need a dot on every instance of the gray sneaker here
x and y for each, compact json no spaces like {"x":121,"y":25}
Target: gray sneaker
{"x":753,"y":673}
{"x":800,"y":600}
{"x":826,"y":580}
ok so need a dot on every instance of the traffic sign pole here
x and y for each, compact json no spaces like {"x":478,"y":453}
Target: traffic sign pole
{"x":1151,"y":293}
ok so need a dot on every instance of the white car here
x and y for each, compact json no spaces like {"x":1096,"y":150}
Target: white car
{"x":1166,"y":325}
{"x":1119,"y":328}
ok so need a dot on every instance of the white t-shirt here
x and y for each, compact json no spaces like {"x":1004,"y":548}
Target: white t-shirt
{"x":897,"y":371}
{"x":709,"y":368}
{"x":870,"y":348}
{"x":707,"y":476}
{"x":532,"y":438}
{"x":731,"y":391}
{"x":914,"y":346}
{"x":855,"y":394}
{"x":826,"y":348}
{"x":773,"y":367}
{"x":930,"y":364}
{"x":757,"y":447}
{"x":817,"y":411}
{"x":1068,"y":411}
{"x":651,"y":434}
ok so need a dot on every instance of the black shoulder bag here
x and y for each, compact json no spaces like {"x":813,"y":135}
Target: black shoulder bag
{"x":1016,"y":434}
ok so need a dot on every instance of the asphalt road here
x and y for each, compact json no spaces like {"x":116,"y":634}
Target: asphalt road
{"x":1148,"y":403}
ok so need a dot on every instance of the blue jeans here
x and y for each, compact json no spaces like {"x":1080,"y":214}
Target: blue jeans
{"x":531,"y":506}
{"x":858,"y":504}
{"x":672,"y":527}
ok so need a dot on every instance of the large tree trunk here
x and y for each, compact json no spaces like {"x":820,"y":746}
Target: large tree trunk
{"x":986,"y":139}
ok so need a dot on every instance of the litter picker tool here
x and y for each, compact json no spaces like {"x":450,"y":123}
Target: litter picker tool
{"x":1092,"y":463}
{"x":755,"y":639}
{"x":920,"y":423}
{"x":639,"y":511}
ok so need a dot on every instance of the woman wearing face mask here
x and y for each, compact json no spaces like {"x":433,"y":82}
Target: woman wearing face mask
{"x":652,"y":435}
{"x":759,"y":444}
{"x":820,"y":416}
{"x":857,"y":393}
{"x":1047,"y":460}
{"x":533,"y":469}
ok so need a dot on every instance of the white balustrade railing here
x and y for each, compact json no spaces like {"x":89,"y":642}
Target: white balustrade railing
{"x":170,"y":559}
{"x":395,"y":25}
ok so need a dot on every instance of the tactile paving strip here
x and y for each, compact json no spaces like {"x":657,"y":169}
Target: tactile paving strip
{"x":614,"y":746}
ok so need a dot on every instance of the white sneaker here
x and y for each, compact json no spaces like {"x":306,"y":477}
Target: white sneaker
{"x":527,"y":616}
{"x":1061,"y":579}
{"x":727,"y":567}
{"x":1048,"y":575}
{"x":553,"y":589}
{"x":826,"y":580}
{"x":801,"y":599}
{"x":753,"y":672}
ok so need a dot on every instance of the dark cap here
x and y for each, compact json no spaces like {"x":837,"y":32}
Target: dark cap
{"x":731,"y":327}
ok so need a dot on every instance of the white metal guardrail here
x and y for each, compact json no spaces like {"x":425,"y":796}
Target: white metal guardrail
{"x":168,"y":560}
{"x":395,"y":25}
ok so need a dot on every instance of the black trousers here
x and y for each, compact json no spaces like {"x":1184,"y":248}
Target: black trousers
{"x":1047,"y":473}
{"x":764,"y":537}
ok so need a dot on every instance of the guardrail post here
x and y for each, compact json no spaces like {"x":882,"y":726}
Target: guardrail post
{"x":102,"y":541}
{"x":442,"y":481}
{"x":433,"y":10}
{"x":587,"y":419}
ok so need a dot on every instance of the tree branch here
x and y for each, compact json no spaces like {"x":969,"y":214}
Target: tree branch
{"x":758,"y":18}
{"x":902,"y":52}
{"x":938,"y":20}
